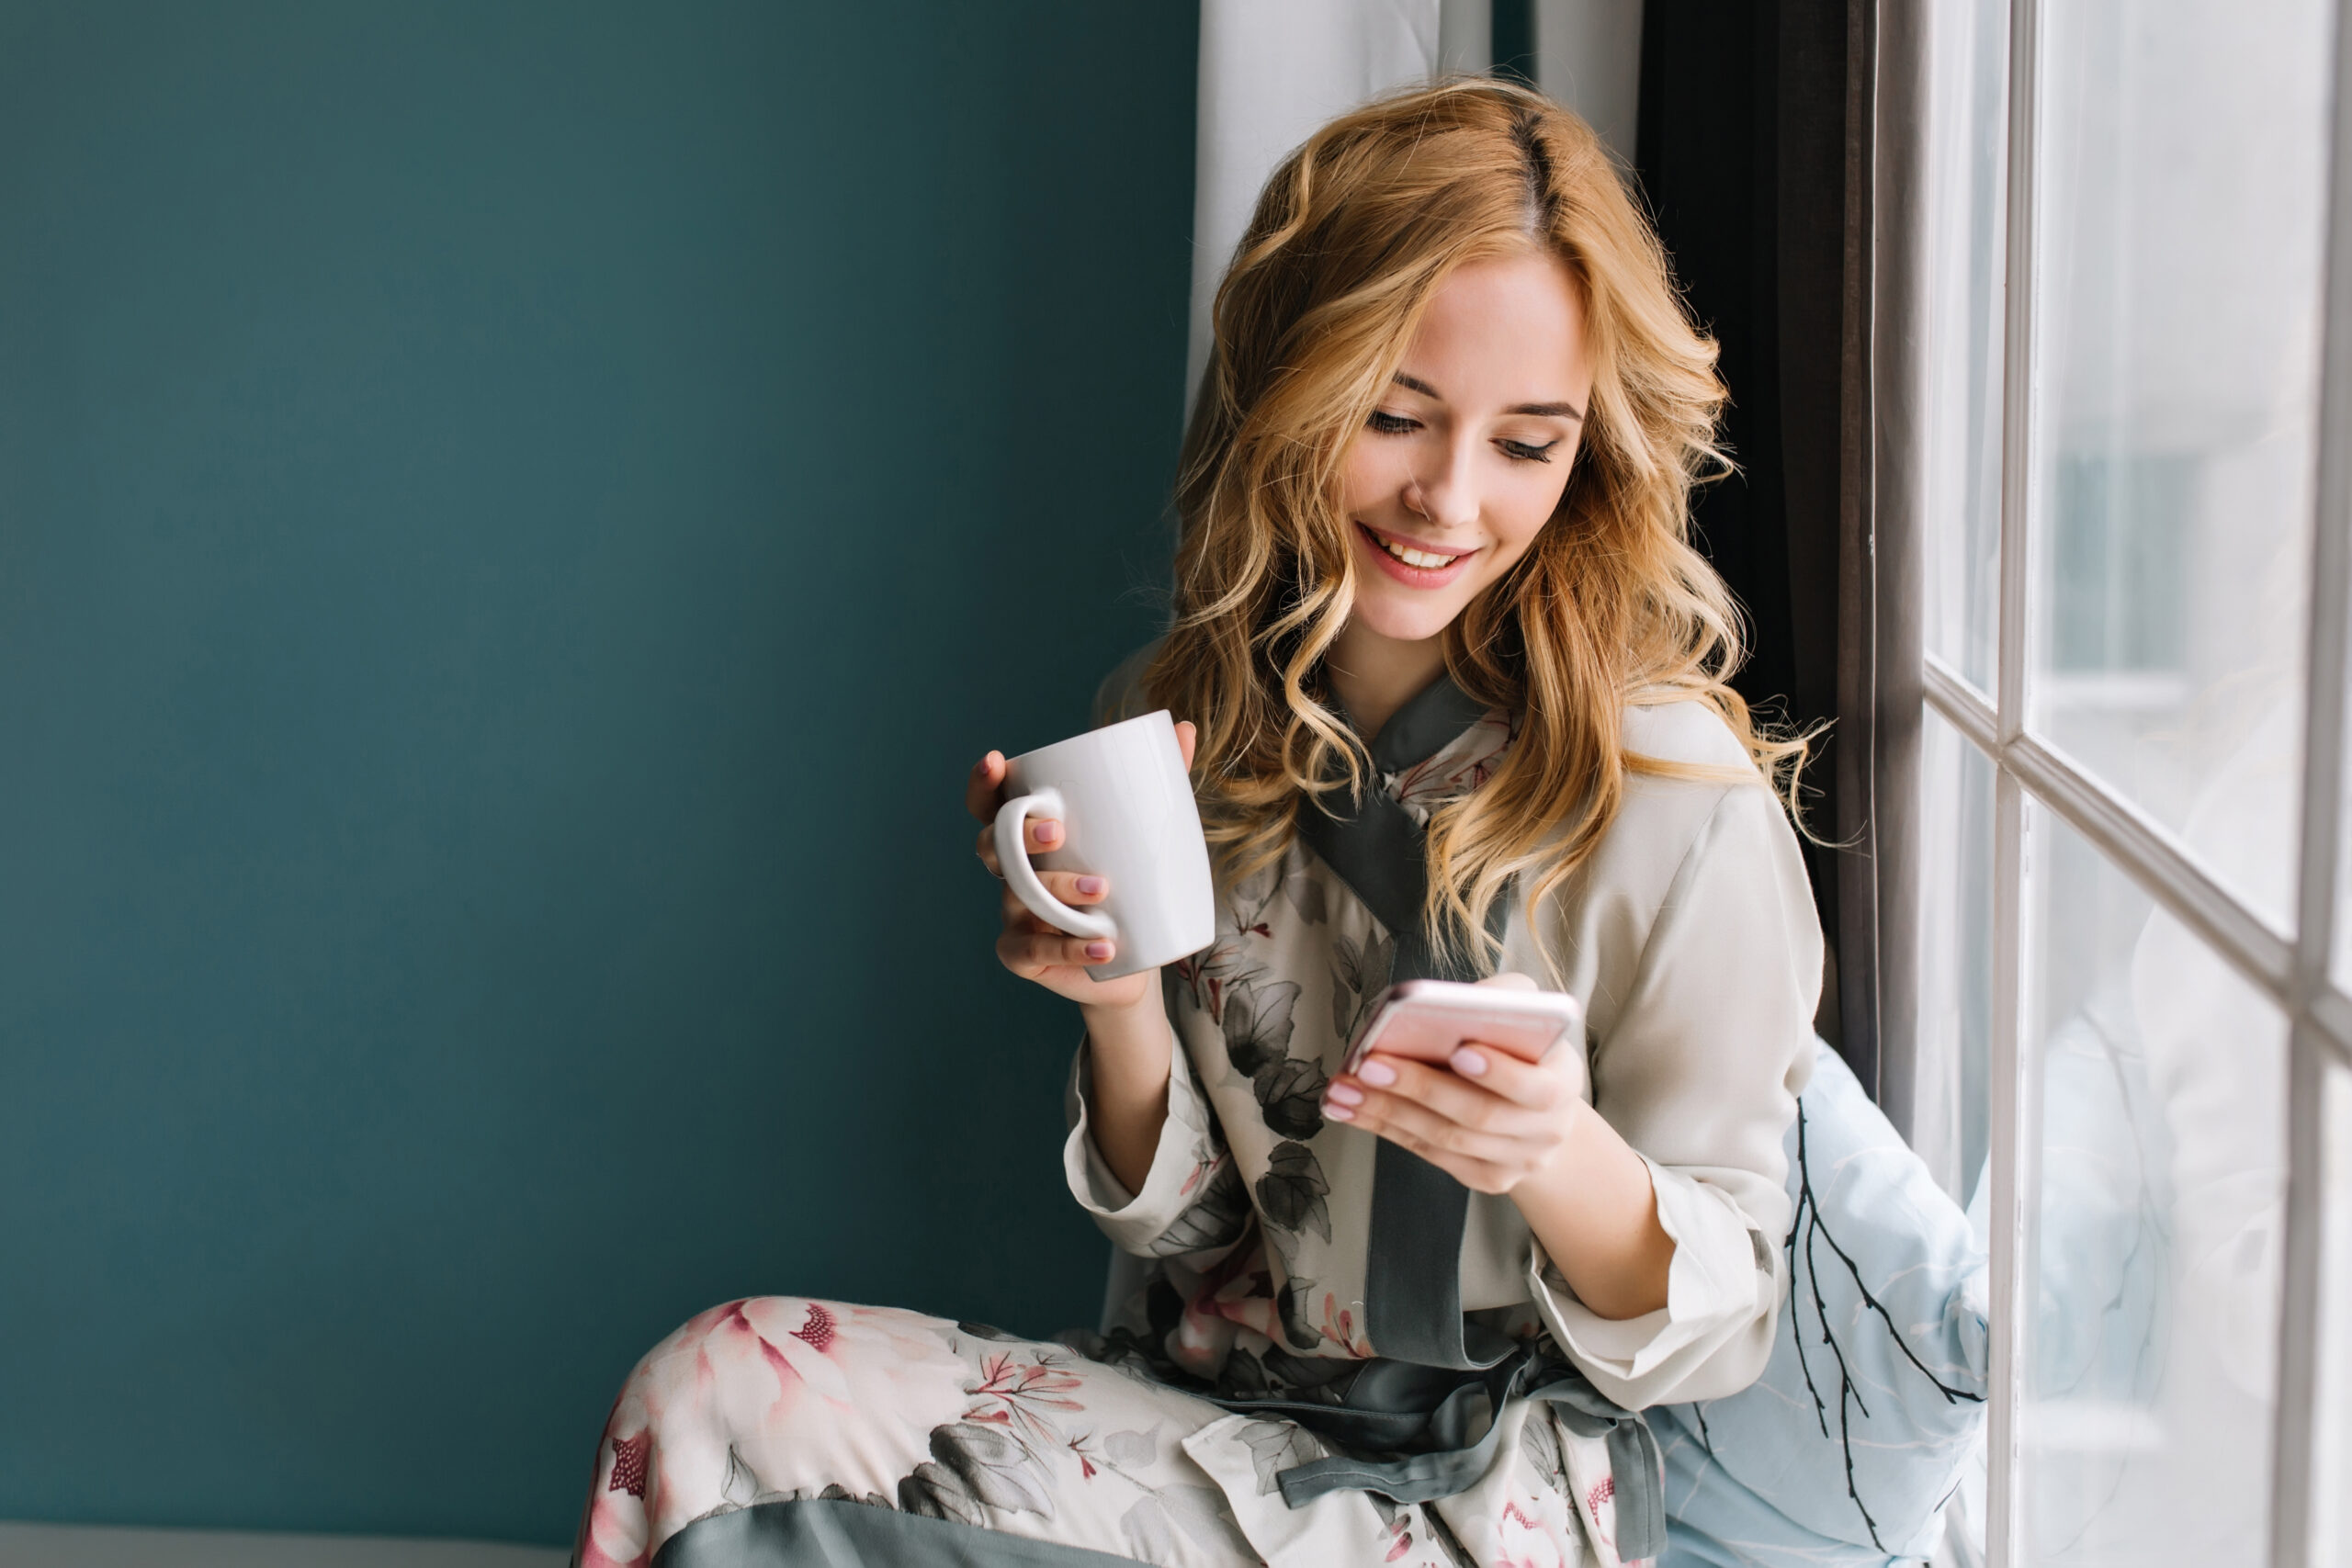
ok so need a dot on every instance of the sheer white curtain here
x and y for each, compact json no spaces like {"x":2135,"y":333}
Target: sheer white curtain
{"x":1273,"y":70}
{"x":1588,"y":55}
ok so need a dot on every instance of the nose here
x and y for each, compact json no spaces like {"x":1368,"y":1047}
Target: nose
{"x":1443,"y":489}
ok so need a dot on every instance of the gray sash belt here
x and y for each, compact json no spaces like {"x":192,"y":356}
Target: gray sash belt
{"x":1426,"y":1415}
{"x":1443,"y":1373}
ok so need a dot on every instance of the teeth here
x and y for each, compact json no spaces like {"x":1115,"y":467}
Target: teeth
{"x":1418,"y":557}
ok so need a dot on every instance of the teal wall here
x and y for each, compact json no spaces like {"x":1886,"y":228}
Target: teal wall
{"x":513,"y":520}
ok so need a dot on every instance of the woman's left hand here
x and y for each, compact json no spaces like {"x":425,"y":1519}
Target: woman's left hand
{"x":1490,"y":1122}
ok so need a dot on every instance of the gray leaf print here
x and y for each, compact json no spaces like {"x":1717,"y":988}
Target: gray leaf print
{"x":1258,"y":1024}
{"x":1305,"y":891}
{"x":1291,"y":1193}
{"x":1276,"y":1445}
{"x":1540,"y":1442}
{"x":989,"y":1463}
{"x":1290,"y":1096}
{"x":1359,"y":974}
{"x":1347,"y":962}
{"x":937,"y":1494}
{"x":1290,"y":1305}
{"x":1134,"y":1450}
{"x":1347,"y":967}
{"x":1215,"y":1220}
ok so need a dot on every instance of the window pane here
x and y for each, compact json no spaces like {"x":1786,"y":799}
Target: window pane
{"x":2342,"y":958}
{"x":1949,"y":1117}
{"x":2145,"y":1430}
{"x":2331,"y":1475}
{"x":2181,"y":213}
{"x":1967,"y":56}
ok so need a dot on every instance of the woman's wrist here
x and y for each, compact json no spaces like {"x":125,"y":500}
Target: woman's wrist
{"x":1131,"y":1033}
{"x":1130,"y":1048}
{"x":1594,"y":1209}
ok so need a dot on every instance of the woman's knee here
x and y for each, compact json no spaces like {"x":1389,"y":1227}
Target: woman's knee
{"x":740,"y":1363}
{"x":757,"y":1358}
{"x":812,"y":1322}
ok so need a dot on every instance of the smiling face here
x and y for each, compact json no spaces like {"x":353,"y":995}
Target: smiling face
{"x":1467,"y":451}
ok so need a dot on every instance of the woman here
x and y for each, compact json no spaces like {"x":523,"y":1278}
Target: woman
{"x":1453,"y":685}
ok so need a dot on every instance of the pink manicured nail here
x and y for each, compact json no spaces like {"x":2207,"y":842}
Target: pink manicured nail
{"x":1346,"y":1094}
{"x":1098,"y":950}
{"x":1469,"y":1062}
{"x":1048,"y":832}
{"x":1338,"y":1113}
{"x":1089,"y":885}
{"x":1379,"y":1075}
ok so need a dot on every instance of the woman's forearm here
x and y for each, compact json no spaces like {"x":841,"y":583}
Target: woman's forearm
{"x":1595,"y":1211}
{"x":1128,"y":1051}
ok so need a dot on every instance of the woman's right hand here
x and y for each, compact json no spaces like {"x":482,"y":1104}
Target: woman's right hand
{"x":1028,"y":946}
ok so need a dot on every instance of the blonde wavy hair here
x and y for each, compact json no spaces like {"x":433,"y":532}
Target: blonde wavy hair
{"x":1611,"y":604}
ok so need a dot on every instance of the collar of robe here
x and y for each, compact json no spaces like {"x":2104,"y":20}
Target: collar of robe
{"x":1374,"y":845}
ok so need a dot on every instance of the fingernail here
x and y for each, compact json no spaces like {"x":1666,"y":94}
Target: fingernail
{"x":1379,"y":1075}
{"x":1468,"y":1061}
{"x":1345,"y":1093}
{"x":1048,"y":832}
{"x":1338,"y":1113}
{"x":1089,"y":885}
{"x":1098,"y":950}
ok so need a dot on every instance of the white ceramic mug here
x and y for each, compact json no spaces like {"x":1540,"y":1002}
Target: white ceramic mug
{"x":1127,"y":813}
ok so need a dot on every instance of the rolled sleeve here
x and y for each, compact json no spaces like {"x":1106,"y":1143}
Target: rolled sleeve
{"x":1699,"y":1073}
{"x":1181,"y":1184}
{"x":1714,"y":1332}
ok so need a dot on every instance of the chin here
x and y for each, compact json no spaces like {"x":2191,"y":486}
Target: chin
{"x":1379,"y":612}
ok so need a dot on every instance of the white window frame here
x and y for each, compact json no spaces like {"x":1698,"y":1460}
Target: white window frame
{"x":2293,"y":972}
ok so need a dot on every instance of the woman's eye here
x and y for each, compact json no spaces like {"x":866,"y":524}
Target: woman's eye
{"x":1392,"y":423}
{"x":1519,"y":451}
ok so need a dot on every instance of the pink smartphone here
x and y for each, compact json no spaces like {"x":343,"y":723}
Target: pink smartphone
{"x":1430,"y":1019}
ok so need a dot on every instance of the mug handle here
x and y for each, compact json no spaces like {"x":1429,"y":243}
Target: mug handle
{"x":1021,"y":877}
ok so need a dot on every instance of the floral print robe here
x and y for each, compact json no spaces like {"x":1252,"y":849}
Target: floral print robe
{"x":784,"y":1430}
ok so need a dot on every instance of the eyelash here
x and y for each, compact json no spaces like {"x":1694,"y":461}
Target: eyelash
{"x":1388,"y":424}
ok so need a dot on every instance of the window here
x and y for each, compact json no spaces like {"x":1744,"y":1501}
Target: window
{"x":2135,"y":1045}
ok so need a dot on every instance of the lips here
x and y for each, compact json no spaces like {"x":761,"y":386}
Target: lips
{"x":1406,"y":559}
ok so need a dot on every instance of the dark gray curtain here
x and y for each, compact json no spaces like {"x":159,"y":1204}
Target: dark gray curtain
{"x":1765,"y":140}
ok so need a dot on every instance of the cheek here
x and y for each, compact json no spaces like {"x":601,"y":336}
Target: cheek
{"x":1368,"y":476}
{"x":1520,"y":510}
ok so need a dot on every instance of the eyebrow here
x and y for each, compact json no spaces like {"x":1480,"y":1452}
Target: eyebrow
{"x":1541,"y":410}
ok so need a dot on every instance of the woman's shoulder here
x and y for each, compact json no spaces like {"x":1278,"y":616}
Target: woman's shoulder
{"x":1699,"y":840}
{"x":1689,"y":776}
{"x":1686,"y":733}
